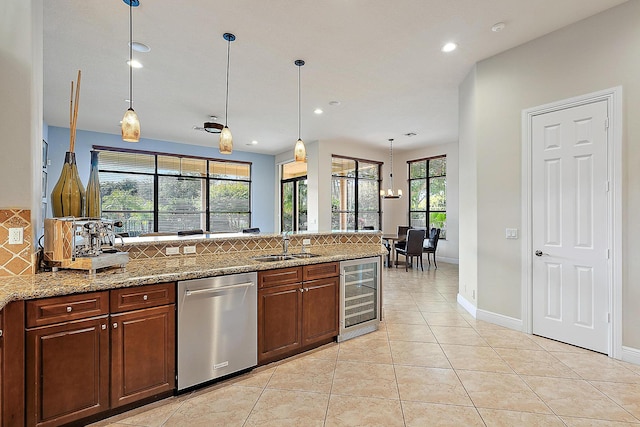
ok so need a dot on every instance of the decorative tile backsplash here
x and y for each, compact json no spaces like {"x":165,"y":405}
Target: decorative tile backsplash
{"x":16,"y":260}
{"x":272,"y":243}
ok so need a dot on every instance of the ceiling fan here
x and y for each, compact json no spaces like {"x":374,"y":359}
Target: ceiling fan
{"x":211,"y":126}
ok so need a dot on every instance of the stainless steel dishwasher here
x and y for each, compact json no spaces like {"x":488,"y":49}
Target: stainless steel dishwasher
{"x":217,"y":327}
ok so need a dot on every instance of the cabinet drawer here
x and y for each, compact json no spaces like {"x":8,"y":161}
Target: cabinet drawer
{"x":320,"y":271}
{"x":137,"y":297}
{"x":280,"y":276}
{"x":48,"y":311}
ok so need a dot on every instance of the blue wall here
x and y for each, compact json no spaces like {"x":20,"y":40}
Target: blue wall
{"x":263,"y":168}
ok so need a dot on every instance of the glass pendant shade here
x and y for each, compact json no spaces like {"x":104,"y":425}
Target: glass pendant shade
{"x":226,"y":141}
{"x":130,"y":126}
{"x":299,"y":152}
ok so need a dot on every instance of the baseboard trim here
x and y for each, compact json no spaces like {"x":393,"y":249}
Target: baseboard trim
{"x":467,"y":305}
{"x":500,"y":320}
{"x":631,"y":355}
{"x":448,"y":260}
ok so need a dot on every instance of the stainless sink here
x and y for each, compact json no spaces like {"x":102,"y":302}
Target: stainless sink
{"x":304,"y":255}
{"x":272,"y":258}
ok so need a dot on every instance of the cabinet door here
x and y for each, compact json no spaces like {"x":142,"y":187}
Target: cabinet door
{"x":279,"y":321}
{"x":320,"y":310}
{"x":142,"y":354}
{"x":67,"y":371}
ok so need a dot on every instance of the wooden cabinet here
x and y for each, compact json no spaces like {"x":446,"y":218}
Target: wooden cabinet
{"x":12,"y":365}
{"x":67,"y":358}
{"x":297,"y":309}
{"x":142,"y":342}
{"x":87,"y":353}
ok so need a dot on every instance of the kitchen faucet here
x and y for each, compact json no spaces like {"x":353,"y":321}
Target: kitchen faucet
{"x":285,"y":242}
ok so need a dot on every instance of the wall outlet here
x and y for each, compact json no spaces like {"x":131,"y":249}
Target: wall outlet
{"x":16,"y":236}
{"x":172,"y":251}
{"x":306,"y":241}
{"x":511,"y":233}
{"x":189,"y":250}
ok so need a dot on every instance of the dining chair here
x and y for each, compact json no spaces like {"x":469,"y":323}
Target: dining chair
{"x":402,"y":236}
{"x":254,"y":230}
{"x":431,"y":244}
{"x":413,"y":248}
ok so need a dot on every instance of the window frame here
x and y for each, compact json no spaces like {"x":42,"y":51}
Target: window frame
{"x":207,"y":179}
{"x":356,"y":180}
{"x":427,"y":211}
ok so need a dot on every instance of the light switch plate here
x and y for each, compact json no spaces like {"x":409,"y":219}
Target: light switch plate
{"x":172,"y":251}
{"x":189,"y":250}
{"x":306,"y":241}
{"x":511,"y":233}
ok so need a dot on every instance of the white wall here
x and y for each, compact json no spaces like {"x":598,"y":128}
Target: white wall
{"x":21,"y":105}
{"x":597,"y":53}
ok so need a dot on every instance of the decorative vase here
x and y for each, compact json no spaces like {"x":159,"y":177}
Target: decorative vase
{"x":67,"y":197}
{"x":93,"y":202}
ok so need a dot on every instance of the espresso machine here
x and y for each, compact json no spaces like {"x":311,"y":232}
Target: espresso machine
{"x":82,"y":244}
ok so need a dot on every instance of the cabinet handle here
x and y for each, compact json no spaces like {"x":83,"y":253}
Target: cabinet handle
{"x":145,"y":297}
{"x":115,"y":326}
{"x":104,"y":327}
{"x":69,"y":309}
{"x":0,"y":332}
{"x":301,"y":289}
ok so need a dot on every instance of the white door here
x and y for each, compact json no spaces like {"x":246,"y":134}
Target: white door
{"x":570,"y":226}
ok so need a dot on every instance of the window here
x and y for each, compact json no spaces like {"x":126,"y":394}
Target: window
{"x":152,"y":192}
{"x":293,"y":191}
{"x":428,"y":193}
{"x":355,"y":194}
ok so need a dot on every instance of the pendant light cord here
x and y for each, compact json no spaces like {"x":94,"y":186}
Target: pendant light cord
{"x":130,"y":54}
{"x":226,"y":104}
{"x":298,"y":102}
{"x":391,"y":158}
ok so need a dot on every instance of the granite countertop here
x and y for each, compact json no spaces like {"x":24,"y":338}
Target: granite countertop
{"x":161,"y":270}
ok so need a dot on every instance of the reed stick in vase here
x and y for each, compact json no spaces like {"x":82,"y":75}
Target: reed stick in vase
{"x":75,"y":115}
{"x":71,"y":118}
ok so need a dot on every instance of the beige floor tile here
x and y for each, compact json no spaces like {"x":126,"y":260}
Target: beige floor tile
{"x":152,"y":415}
{"x":418,"y":354}
{"x":576,"y":398}
{"x":418,"y":414}
{"x":223,"y":406}
{"x":373,"y":351}
{"x":437,"y":307}
{"x":552,"y":345}
{"x":365,"y":379}
{"x":434,"y":385}
{"x":329,"y":351}
{"x":625,"y":395}
{"x":404,"y":317}
{"x":588,"y":422}
{"x":537,"y":363}
{"x":304,"y":374}
{"x":501,"y":391}
{"x":363,"y":411}
{"x":457,"y":335}
{"x":598,"y":367}
{"x":503,"y":418}
{"x":445,"y":319}
{"x":508,"y":339}
{"x":475,"y":358}
{"x":418,"y":333}
{"x":258,"y":378}
{"x":289,"y":408}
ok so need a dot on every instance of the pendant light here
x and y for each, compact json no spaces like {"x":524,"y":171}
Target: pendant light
{"x":299,"y":152}
{"x":389,"y":193}
{"x":130,"y":121}
{"x":226,"y":140}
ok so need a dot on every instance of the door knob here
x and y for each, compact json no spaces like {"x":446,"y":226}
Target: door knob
{"x":539,"y":253}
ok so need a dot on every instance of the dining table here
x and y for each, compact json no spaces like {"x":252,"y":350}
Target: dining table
{"x":391,"y":240}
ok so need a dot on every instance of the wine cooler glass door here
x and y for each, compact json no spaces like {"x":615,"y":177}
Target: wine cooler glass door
{"x":360,"y":293}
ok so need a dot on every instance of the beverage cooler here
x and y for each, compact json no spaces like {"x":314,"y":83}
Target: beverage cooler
{"x":360,"y":306}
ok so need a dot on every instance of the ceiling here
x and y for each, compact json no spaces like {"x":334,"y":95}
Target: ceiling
{"x":380,"y":60}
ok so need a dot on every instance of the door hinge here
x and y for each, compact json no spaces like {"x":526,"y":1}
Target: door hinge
{"x":608,"y":317}
{"x":606,"y":123}
{"x":608,"y":253}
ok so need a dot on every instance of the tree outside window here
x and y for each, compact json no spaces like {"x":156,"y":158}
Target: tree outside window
{"x":428,"y":193}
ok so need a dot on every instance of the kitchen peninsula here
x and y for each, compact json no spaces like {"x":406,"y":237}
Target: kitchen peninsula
{"x":141,"y":299}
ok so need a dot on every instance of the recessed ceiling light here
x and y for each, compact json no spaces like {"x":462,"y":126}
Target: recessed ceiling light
{"x":254,"y":142}
{"x":318,"y":111}
{"x":134,"y":63}
{"x":140,"y":47}
{"x":498,"y":27}
{"x":334,"y":103}
{"x":449,"y":47}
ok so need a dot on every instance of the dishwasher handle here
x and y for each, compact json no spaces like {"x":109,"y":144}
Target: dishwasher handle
{"x":218,"y":289}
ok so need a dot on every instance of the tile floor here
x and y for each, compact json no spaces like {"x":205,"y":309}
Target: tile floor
{"x":430,"y":364}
